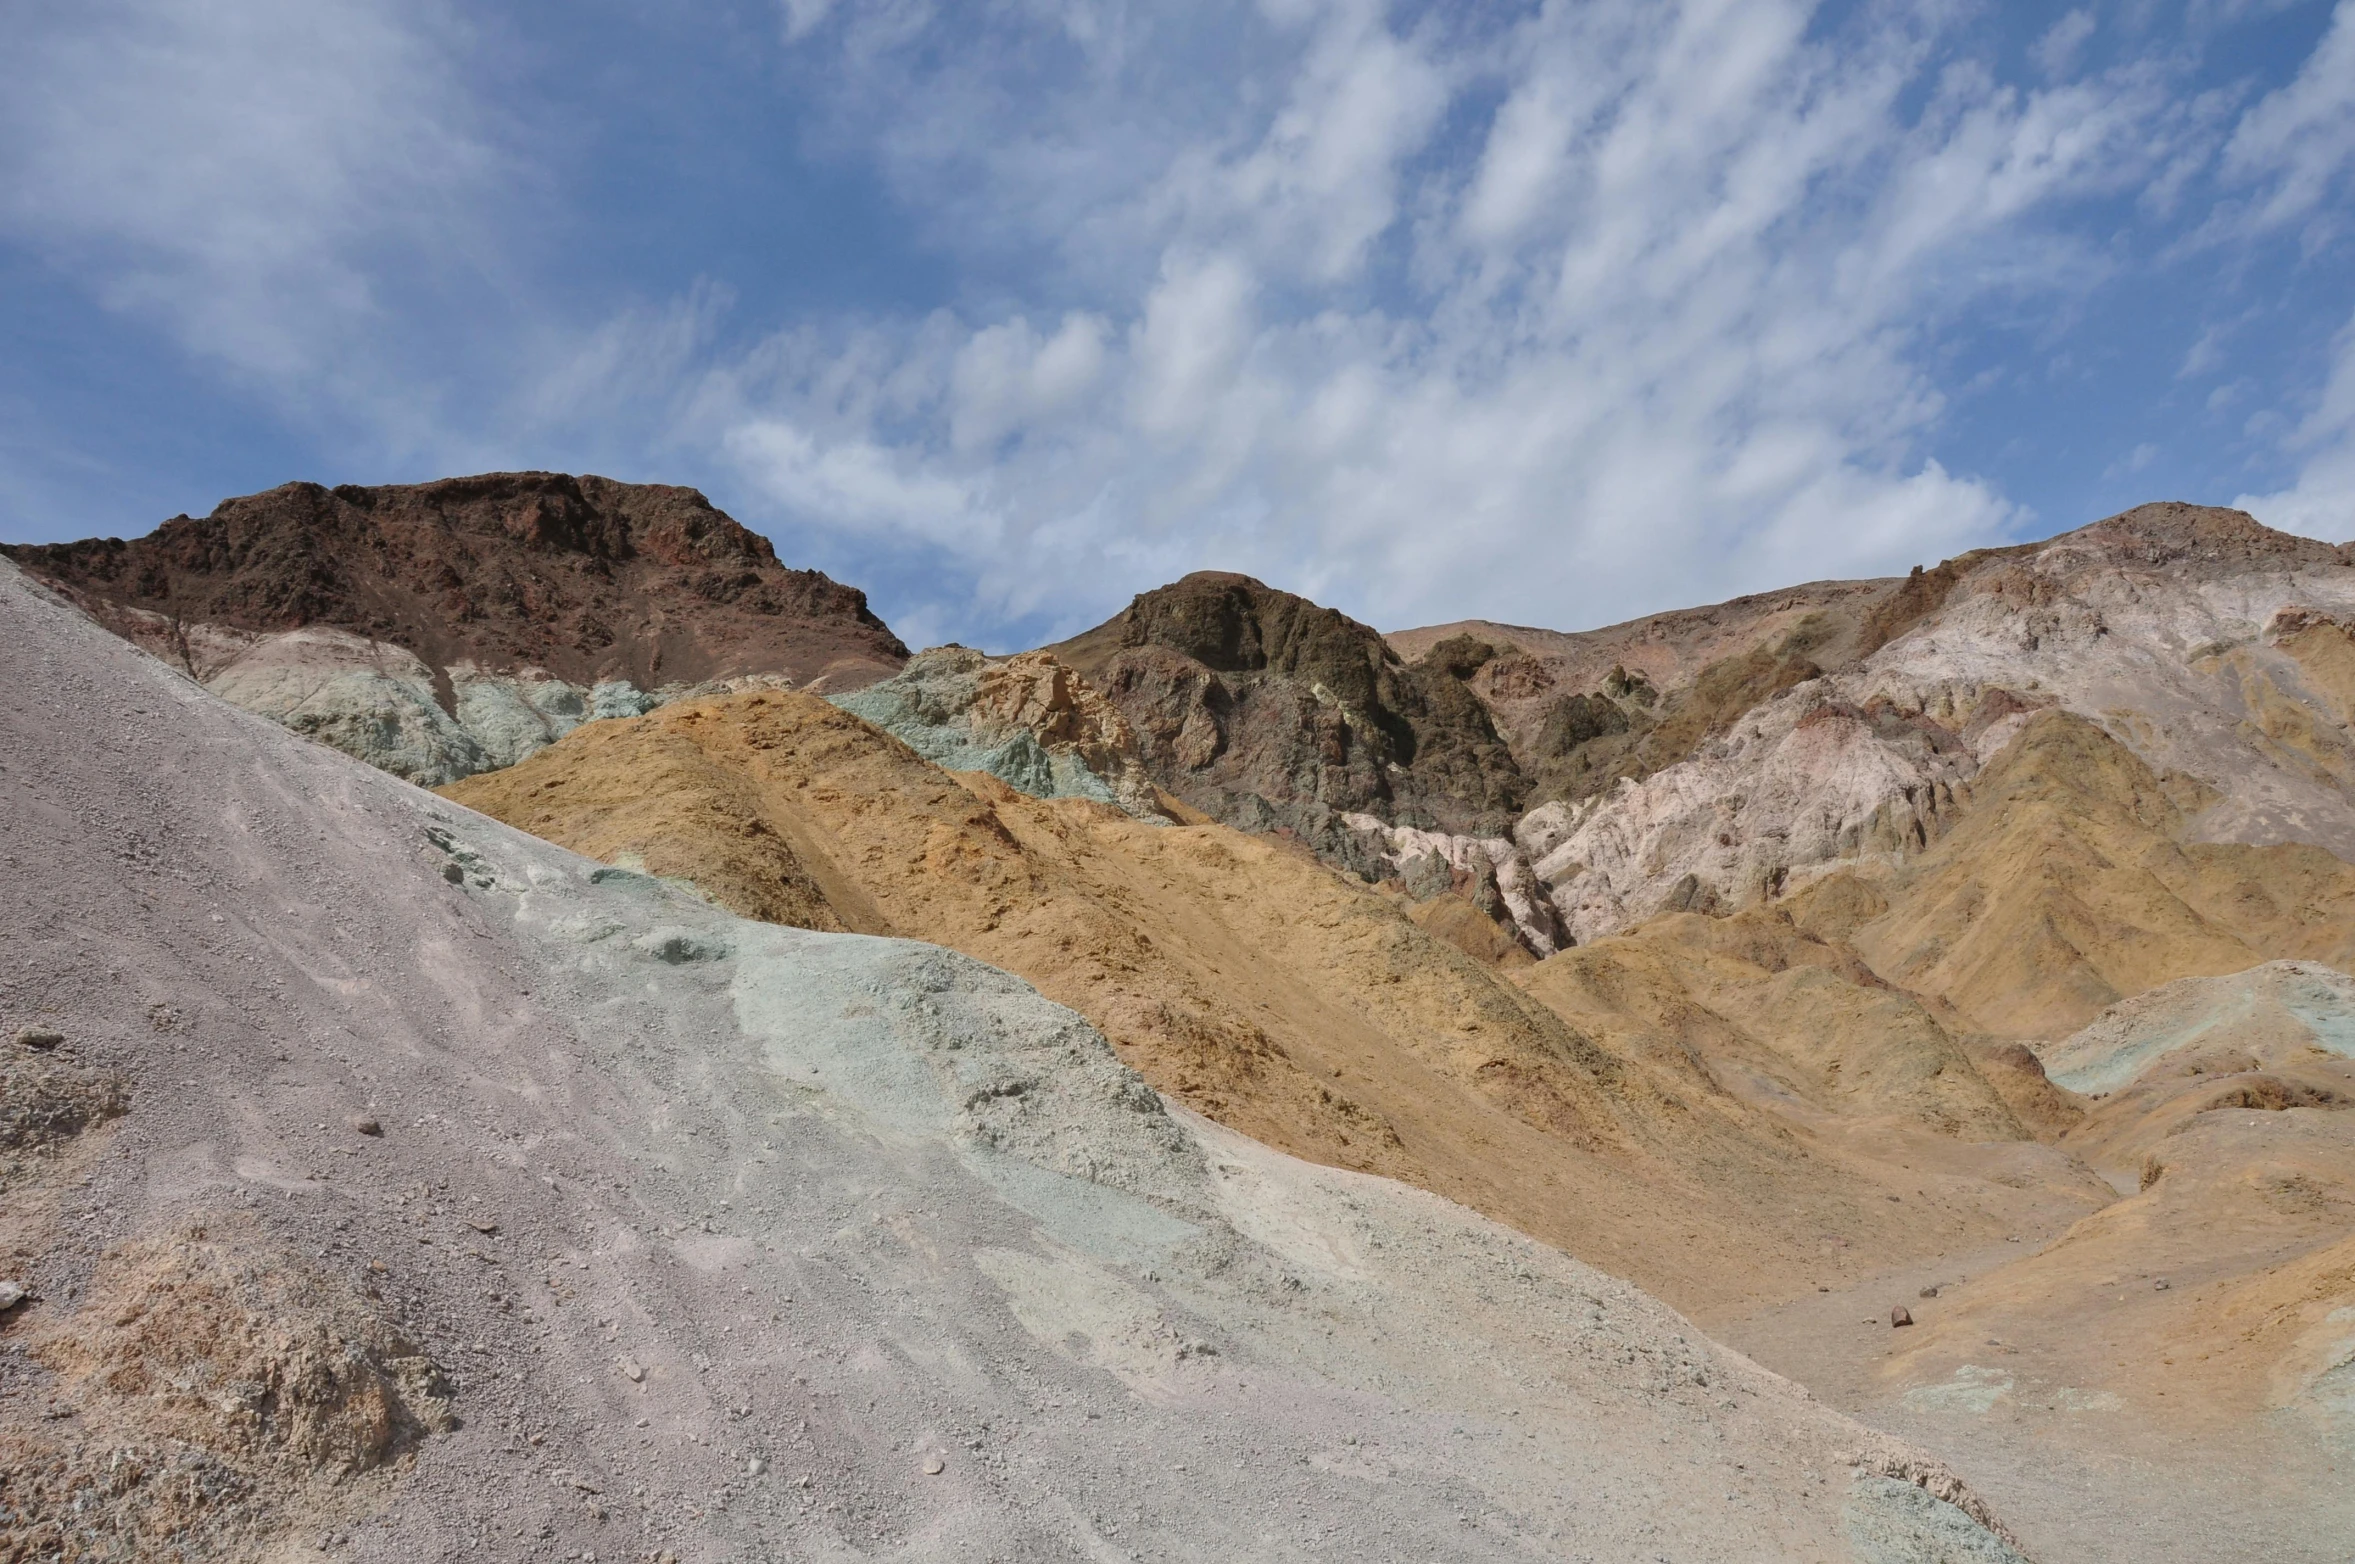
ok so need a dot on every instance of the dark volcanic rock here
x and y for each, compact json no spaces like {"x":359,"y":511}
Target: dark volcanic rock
{"x":1269,"y":712}
{"x":584,"y":577}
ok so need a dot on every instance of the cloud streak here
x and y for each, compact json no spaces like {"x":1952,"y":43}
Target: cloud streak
{"x":1613,"y":307}
{"x":1550,"y":312}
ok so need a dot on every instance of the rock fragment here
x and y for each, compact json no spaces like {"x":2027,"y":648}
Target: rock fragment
{"x":365,"y":1124}
{"x":11,"y":1294}
{"x":40,"y":1037}
{"x":934,"y":1466}
{"x":1900,"y":1315}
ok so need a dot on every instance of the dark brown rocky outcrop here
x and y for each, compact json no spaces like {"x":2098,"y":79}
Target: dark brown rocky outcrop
{"x":585,"y":577}
{"x":1269,"y":712}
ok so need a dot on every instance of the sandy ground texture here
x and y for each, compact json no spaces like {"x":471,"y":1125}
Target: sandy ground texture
{"x":1310,"y":1012}
{"x":406,"y":1188}
{"x":2174,"y":1374}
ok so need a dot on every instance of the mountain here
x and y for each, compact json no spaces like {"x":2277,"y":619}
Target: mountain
{"x":1757,"y":746}
{"x":1268,"y":712}
{"x":1968,"y":944}
{"x":386,"y":1184}
{"x":445,"y":628}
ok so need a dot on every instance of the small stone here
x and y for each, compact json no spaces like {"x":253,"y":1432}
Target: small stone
{"x":1900,"y":1315}
{"x":755,"y":1466}
{"x":632,"y":1372}
{"x":934,"y":1466}
{"x":38,"y":1037}
{"x":454,"y":874}
{"x":11,"y":1294}
{"x":482,"y":1227}
{"x":1929,"y":1292}
{"x":365,"y":1124}
{"x":2160,"y":1285}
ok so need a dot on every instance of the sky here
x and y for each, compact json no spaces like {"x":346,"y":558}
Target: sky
{"x":1006,"y":310}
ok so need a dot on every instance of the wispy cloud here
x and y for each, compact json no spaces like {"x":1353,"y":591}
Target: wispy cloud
{"x":1614,"y":305}
{"x":1549,"y":311}
{"x":245,"y":176}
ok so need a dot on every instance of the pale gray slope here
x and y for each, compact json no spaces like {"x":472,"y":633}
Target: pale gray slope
{"x":806,"y":1246}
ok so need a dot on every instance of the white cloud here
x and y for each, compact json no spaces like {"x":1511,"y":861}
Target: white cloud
{"x":2056,"y":52}
{"x":242,"y":173}
{"x":1557,"y":311}
{"x":2301,"y":138}
{"x":1610,"y":309}
{"x":2321,"y":502}
{"x":803,"y":17}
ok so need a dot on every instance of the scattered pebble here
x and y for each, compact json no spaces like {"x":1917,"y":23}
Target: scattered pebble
{"x":1900,"y":1315}
{"x":366,"y":1125}
{"x":934,"y":1466}
{"x":2160,"y":1285}
{"x":1930,"y":1292}
{"x":631,"y":1371}
{"x":38,"y":1037}
{"x":11,"y":1294}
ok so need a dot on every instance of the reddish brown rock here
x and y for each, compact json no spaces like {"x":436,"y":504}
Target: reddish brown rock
{"x":583,"y":577}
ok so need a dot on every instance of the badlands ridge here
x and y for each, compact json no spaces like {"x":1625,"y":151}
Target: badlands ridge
{"x":389,"y":1180}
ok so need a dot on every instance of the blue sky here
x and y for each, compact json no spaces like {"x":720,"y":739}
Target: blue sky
{"x":1008,"y":309}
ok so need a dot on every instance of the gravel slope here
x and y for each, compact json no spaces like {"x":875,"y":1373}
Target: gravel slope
{"x":684,"y":1234}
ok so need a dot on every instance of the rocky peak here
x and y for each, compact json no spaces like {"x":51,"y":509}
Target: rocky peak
{"x":1271,"y":712}
{"x":440,"y":629}
{"x":583,"y":578}
{"x":2170,"y":532}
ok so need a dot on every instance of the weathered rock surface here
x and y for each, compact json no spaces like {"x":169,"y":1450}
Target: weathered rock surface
{"x":857,"y":1209}
{"x":2223,"y":1282}
{"x":1241,"y":978}
{"x":1027,"y":720}
{"x":1709,"y":759}
{"x":445,"y":628}
{"x":1268,"y":712}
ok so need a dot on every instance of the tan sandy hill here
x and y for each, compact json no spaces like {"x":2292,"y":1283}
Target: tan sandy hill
{"x":444,"y":628}
{"x":383,"y":1184}
{"x":1244,"y":978}
{"x":2221,"y":1289}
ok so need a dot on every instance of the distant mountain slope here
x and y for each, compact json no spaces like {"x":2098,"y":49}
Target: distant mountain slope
{"x":1714,"y":758}
{"x":443,"y":628}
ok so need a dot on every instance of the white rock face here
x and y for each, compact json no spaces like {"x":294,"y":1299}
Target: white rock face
{"x":1806,"y":780}
{"x":2185,"y":667}
{"x":376,"y":701}
{"x":1415,"y":852}
{"x":813,"y":1246}
{"x":370,"y":699}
